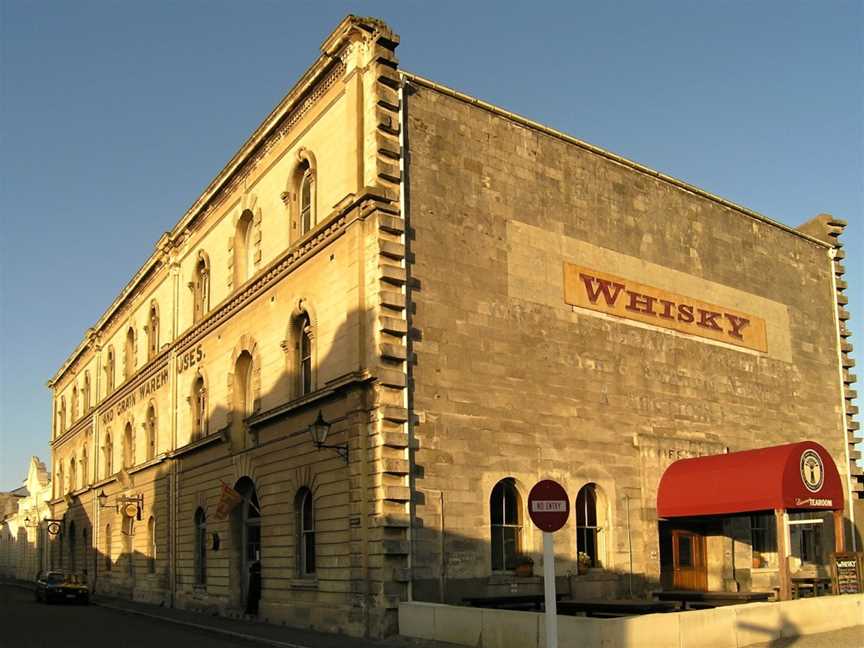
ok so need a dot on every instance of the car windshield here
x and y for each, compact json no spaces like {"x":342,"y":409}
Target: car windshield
{"x":54,"y":578}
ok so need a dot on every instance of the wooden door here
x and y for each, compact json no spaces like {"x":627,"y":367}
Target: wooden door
{"x":690,"y":568}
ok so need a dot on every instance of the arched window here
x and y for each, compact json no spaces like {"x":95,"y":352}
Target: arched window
{"x":86,"y":404}
{"x":590,"y":516}
{"x":108,"y":547}
{"x":128,"y":447}
{"x":201,"y":288}
{"x":151,"y":545}
{"x":110,"y":363}
{"x":506,"y":517}
{"x":108,"y":455}
{"x":150,"y":428}
{"x":306,"y":199}
{"x":74,"y":404}
{"x":73,"y":475}
{"x":72,"y":547}
{"x":305,"y":533}
{"x":200,"y":547}
{"x":61,"y":484}
{"x":242,"y":397}
{"x":153,"y":331}
{"x":84,"y":477}
{"x":62,"y":414}
{"x":129,"y":354}
{"x":198,"y":402}
{"x":304,"y":354}
{"x":243,"y":249}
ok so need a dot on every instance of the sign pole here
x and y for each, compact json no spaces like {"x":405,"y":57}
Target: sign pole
{"x":549,"y":590}
{"x":549,"y":507}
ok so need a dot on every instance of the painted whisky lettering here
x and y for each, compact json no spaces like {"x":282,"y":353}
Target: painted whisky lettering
{"x":708,"y":319}
{"x":602,"y":287}
{"x":630,"y":300}
{"x":640,"y":303}
{"x":668,"y":307}
{"x":685,"y":313}
{"x":738,"y":324}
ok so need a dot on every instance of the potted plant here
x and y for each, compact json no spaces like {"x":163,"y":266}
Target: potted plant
{"x":583,"y":562}
{"x":523,"y":565}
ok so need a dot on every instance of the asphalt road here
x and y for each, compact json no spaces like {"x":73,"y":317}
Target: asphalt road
{"x":24,"y":623}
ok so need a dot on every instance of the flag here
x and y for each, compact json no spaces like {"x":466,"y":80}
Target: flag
{"x":228,"y":499}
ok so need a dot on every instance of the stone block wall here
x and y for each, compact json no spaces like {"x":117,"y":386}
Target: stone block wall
{"x":509,"y":380}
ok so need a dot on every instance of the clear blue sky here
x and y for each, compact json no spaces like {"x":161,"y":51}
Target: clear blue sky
{"x":115,"y":115}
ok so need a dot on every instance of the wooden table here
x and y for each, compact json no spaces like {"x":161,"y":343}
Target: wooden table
{"x":816,"y":585}
{"x":616,"y":608}
{"x":695,"y":600}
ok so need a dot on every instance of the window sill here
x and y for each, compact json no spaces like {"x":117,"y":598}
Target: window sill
{"x":304,"y":584}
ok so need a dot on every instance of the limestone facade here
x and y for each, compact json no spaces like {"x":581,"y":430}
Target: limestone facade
{"x":390,"y":255}
{"x":24,"y":530}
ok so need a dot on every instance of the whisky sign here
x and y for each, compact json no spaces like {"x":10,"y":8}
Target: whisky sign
{"x":847,"y":573}
{"x":606,"y":293}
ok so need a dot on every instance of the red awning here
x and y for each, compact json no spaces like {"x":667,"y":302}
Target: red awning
{"x":797,"y":476}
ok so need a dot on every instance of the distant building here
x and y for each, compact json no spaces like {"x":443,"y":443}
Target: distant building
{"x":467,"y":302}
{"x":23,"y":529}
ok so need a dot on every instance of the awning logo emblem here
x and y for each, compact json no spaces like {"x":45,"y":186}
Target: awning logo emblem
{"x":812,"y":470}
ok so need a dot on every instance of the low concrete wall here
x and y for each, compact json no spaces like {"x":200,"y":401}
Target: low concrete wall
{"x":733,"y":626}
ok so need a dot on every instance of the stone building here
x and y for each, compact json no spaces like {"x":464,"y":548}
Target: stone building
{"x":23,"y":527}
{"x":404,"y":267}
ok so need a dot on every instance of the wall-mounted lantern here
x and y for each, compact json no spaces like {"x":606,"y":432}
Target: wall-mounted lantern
{"x":319,"y":431}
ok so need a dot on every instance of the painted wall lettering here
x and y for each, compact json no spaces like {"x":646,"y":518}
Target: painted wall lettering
{"x":600,"y":291}
{"x":145,"y":390}
{"x":189,"y":359}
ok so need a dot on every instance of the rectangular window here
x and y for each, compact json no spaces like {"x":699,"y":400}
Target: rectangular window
{"x":763,"y":536}
{"x":811,"y":543}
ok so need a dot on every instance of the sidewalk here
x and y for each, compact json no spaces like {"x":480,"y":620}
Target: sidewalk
{"x":262,"y":633}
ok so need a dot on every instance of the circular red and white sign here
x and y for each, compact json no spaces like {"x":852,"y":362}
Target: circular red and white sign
{"x":548,"y":505}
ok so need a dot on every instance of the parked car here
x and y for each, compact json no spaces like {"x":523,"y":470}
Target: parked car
{"x":62,"y":586}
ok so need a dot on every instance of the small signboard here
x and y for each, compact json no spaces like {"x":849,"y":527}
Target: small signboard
{"x":847,"y":573}
{"x":548,"y":505}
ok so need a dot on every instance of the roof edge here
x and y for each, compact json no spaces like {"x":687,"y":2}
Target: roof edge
{"x":485,"y":105}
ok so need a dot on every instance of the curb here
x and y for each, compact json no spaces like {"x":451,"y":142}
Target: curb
{"x":200,"y":626}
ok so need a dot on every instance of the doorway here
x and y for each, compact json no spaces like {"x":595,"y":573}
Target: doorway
{"x":689,"y":566}
{"x":246,"y":550}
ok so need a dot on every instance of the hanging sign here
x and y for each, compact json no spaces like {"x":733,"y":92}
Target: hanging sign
{"x":228,"y":499}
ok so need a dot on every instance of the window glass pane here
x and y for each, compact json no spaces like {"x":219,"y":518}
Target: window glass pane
{"x":496,"y":503}
{"x":307,"y":512}
{"x":309,"y":540}
{"x":685,"y":551}
{"x":511,"y":546}
{"x":497,"y":549}
{"x":511,"y":505}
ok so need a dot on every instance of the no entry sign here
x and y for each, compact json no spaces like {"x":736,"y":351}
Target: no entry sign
{"x":548,"y":505}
